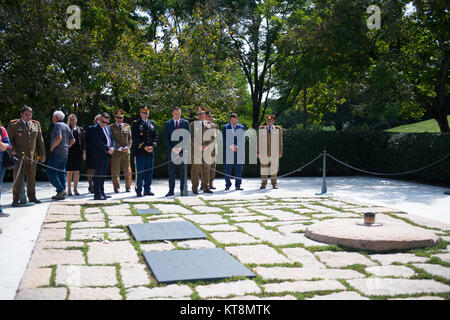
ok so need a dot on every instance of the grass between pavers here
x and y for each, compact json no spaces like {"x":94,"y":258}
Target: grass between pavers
{"x":360,"y":268}
{"x":120,"y":284}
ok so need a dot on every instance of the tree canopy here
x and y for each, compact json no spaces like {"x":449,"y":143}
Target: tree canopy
{"x":315,"y":61}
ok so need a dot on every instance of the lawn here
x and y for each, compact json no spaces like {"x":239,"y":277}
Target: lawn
{"x":422,"y":126}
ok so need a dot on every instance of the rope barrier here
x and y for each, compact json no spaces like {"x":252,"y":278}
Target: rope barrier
{"x":235,"y":177}
{"x":388,"y":174}
{"x":282,"y":176}
{"x":100,"y":176}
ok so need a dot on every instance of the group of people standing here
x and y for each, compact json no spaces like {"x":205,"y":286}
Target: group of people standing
{"x":104,"y":145}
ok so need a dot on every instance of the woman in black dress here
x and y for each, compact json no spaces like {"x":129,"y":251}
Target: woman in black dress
{"x":77,"y":153}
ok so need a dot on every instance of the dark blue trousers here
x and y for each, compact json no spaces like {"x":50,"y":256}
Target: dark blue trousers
{"x":172,"y":172}
{"x":144,"y":178}
{"x":237,"y":173}
{"x":101,"y":170}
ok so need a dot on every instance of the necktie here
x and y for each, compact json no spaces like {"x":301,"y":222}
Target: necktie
{"x":176,"y":124}
{"x":108,"y":141}
{"x":28,"y":125}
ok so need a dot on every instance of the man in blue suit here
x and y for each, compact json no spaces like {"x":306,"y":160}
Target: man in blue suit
{"x":233,"y":135}
{"x":170,"y":127}
{"x":102,"y":148}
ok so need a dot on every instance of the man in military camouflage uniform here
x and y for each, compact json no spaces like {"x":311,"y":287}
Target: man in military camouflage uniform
{"x":270,"y":150}
{"x":200,"y":164}
{"x":121,"y":156}
{"x":212,"y":173}
{"x":26,"y":140}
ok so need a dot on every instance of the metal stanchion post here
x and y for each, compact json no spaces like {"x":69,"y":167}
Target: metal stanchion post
{"x":324,"y":174}
{"x":185,"y":192}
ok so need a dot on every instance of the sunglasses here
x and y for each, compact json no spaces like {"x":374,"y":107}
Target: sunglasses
{"x":105,"y":122}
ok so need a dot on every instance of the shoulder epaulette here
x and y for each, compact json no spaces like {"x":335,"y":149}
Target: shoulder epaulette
{"x":262,"y":127}
{"x":35,"y":121}
{"x":277,"y":127}
{"x":111,"y":125}
{"x":15,"y":120}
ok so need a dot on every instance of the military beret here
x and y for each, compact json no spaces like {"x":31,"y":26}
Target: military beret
{"x":270,"y":117}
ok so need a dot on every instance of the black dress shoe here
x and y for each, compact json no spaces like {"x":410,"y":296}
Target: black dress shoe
{"x":139,"y":195}
{"x":99,"y":198}
{"x":36,"y":201}
{"x":262,"y":187}
{"x":213,"y":188}
{"x":105,"y":196}
{"x":207,"y":191}
{"x":116,"y":191}
{"x":128,"y":190}
{"x":239,"y":188}
{"x":275,"y":187}
{"x":149,"y":193}
{"x":171,"y":193}
{"x":195,"y":191}
{"x":227,"y":188}
{"x":4,"y":215}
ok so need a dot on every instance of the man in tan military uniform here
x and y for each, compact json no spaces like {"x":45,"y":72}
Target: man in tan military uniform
{"x":200,"y":164}
{"x":121,"y":157}
{"x":26,"y":140}
{"x":270,"y":150}
{"x":212,"y":173}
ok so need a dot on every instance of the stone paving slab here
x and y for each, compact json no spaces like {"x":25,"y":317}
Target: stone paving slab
{"x":420,"y":298}
{"x":42,"y":294}
{"x":283,"y":273}
{"x":391,"y":271}
{"x":303,"y":286}
{"x":95,"y":294}
{"x":391,"y":287}
{"x":207,"y":209}
{"x":190,"y":201}
{"x":251,"y":297}
{"x":444,"y":256}
{"x":435,"y":269}
{"x":111,"y":252}
{"x":170,"y":291}
{"x":228,"y":288}
{"x":156,"y":246}
{"x":134,"y":274}
{"x":58,"y":244}
{"x":62,"y":217}
{"x":306,"y":258}
{"x":36,"y":277}
{"x":207,"y":218}
{"x":196,"y":244}
{"x":233,"y":237}
{"x":85,"y":276}
{"x":259,"y":254}
{"x":386,"y":259}
{"x":343,"y":259}
{"x":172,"y":208}
{"x":48,"y":257}
{"x":52,"y":234}
{"x":64,"y":210}
{"x":218,"y":227}
{"x":345,"y":295}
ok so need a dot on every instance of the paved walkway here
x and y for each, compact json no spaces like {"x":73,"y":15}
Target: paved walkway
{"x":21,"y":231}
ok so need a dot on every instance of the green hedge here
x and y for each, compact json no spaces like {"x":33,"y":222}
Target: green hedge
{"x":373,"y":151}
